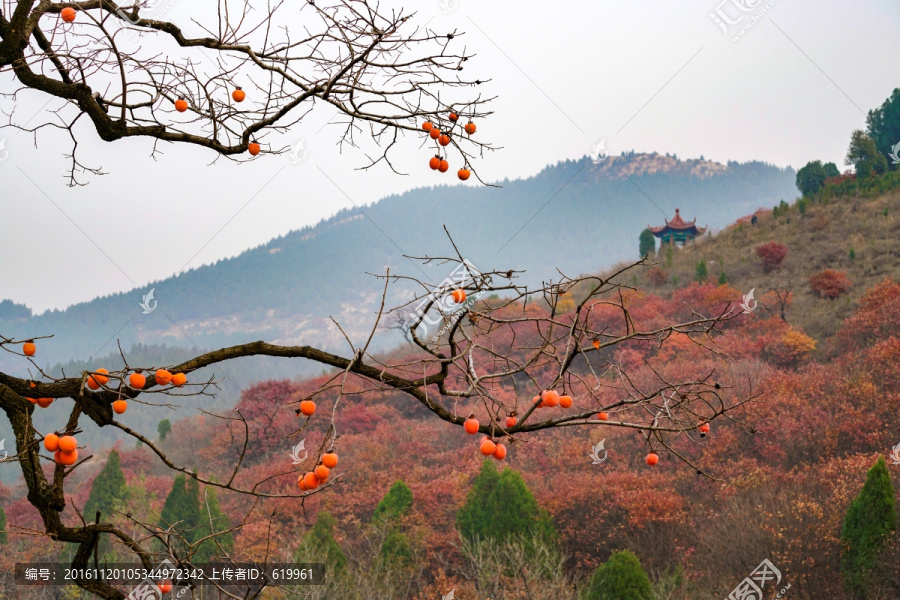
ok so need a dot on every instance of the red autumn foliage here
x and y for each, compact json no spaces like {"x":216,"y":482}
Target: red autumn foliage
{"x":840,"y":179}
{"x":783,"y":493}
{"x":830,"y":283}
{"x":772,"y":255}
{"x":657,"y":276}
{"x":877,"y":319}
{"x":707,"y":298}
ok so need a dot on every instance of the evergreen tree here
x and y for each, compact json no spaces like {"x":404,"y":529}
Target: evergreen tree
{"x":620,"y":578}
{"x":471,"y":520}
{"x":3,"y":536}
{"x":868,"y":522}
{"x":108,"y":491}
{"x":864,"y":156}
{"x":396,"y":550}
{"x":831,"y":170}
{"x":883,"y":125}
{"x":500,"y":505}
{"x":646,"y":243}
{"x":319,"y":545}
{"x":182,"y":508}
{"x":164,"y":429}
{"x":213,"y":521}
{"x":811,"y":177}
{"x":395,"y":503}
{"x":723,"y":278}
{"x":701,"y":271}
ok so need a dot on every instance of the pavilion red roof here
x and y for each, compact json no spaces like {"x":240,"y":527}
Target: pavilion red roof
{"x":677,"y":224}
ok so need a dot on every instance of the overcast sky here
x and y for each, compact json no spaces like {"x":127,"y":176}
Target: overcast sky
{"x":648,"y":75}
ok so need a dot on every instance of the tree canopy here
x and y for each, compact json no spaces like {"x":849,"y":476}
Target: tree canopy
{"x":620,"y":578}
{"x":864,"y":156}
{"x":108,"y":492}
{"x":646,"y":243}
{"x":500,"y":505}
{"x":870,"y":518}
{"x":883,"y":125}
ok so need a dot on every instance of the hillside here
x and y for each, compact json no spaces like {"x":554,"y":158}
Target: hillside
{"x":285,"y":290}
{"x":855,"y":234}
{"x":786,"y":465}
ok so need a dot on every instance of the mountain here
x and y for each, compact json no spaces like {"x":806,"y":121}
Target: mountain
{"x":788,"y":463}
{"x":576,"y":216}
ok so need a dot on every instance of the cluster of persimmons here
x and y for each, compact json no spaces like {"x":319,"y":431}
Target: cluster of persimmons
{"x":65,"y":447}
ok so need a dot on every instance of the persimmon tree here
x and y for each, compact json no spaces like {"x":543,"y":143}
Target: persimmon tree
{"x":484,"y":348}
{"x":227,"y":78}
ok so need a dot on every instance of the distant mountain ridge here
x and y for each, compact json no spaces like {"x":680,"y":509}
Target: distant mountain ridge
{"x":576,"y":216}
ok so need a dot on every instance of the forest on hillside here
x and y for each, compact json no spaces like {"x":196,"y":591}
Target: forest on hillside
{"x":792,"y":476}
{"x":221,"y":304}
{"x":620,"y":376}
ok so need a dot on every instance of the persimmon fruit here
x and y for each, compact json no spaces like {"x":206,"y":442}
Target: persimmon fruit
{"x":444,"y":166}
{"x":427,"y":125}
{"x":487,"y":447}
{"x":119,"y":406}
{"x":165,"y":586}
{"x":253,"y":148}
{"x":471,"y":426}
{"x":179,"y":379}
{"x":163,"y":377}
{"x":238,"y":95}
{"x":652,"y":459}
{"x":51,"y":442}
{"x":66,"y":458}
{"x":330,"y":460}
{"x":603,"y":416}
{"x":500,"y":452}
{"x":181,"y":105}
{"x":434,"y":163}
{"x":459,"y":295}
{"x":454,"y":117}
{"x":565,"y":401}
{"x":470,"y":128}
{"x":511,"y":422}
{"x":67,"y":14}
{"x":321,"y":472}
{"x":137,"y":381}
{"x":311,"y":481}
{"x":28,"y":348}
{"x":101,"y":376}
{"x":550,"y":398}
{"x":434,"y":132}
{"x":67,"y":443}
{"x":44,"y":402}
{"x":444,"y":140}
{"x":463,"y":174}
{"x":308,"y":408}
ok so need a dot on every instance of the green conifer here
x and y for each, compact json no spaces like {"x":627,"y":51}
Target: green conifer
{"x":870,"y":518}
{"x":620,"y":578}
{"x":108,"y":491}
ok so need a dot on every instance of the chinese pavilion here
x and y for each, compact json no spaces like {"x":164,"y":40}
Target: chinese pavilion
{"x":677,"y":230}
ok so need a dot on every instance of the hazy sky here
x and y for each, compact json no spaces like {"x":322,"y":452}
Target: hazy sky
{"x":648,"y":75}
